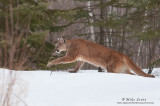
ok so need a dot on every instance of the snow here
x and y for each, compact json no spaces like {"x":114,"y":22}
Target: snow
{"x":86,"y":88}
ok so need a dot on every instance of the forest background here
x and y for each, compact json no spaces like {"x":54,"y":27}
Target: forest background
{"x":30,"y":28}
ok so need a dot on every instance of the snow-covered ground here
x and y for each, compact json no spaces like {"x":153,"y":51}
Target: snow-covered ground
{"x":86,"y":88}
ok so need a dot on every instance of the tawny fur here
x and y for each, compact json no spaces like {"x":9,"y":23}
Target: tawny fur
{"x":85,"y":51}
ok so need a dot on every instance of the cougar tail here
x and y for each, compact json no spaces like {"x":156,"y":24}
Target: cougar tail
{"x":135,"y":68}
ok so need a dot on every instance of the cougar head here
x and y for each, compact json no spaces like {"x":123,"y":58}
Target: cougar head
{"x":60,"y":45}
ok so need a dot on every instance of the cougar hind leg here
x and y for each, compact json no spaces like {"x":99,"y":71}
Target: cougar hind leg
{"x":123,"y":69}
{"x":77,"y":67}
{"x":110,"y":69}
{"x":128,"y":72}
{"x":120,"y":68}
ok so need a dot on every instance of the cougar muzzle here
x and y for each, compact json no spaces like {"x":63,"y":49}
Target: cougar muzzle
{"x":56,"y":51}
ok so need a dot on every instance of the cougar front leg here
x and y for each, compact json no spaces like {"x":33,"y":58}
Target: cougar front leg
{"x":77,"y":67}
{"x":63,"y":60}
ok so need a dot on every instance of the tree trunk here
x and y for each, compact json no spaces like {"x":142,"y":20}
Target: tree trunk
{"x":102,"y":34}
{"x":91,"y":21}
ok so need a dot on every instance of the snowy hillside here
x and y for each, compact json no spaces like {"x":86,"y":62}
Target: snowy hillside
{"x":87,"y":88}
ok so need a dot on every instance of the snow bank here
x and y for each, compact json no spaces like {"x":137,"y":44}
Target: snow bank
{"x":89,"y":88}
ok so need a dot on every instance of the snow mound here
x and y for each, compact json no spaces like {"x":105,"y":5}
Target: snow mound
{"x":89,"y":88}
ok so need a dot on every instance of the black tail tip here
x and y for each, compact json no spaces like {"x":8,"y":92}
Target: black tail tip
{"x":152,"y":76}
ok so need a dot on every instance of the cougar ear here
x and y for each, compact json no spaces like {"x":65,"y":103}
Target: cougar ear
{"x":58,"y":39}
{"x":62,"y":40}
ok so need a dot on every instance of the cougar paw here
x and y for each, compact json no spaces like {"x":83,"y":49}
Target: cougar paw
{"x":72,"y":71}
{"x":49,"y":64}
